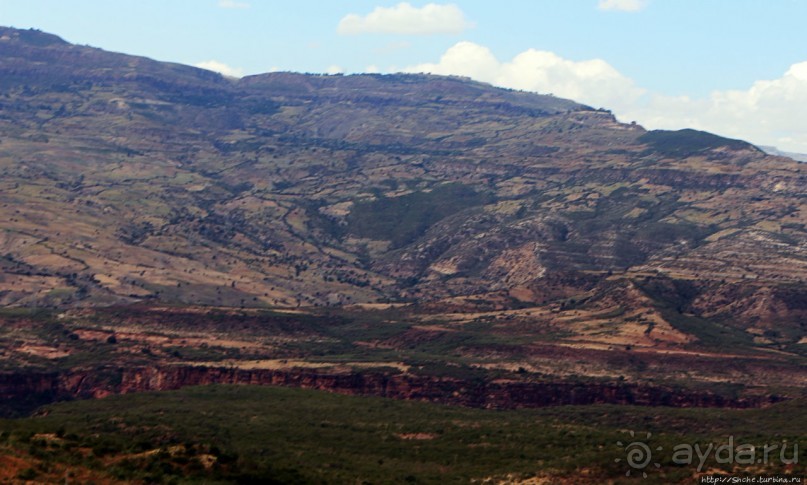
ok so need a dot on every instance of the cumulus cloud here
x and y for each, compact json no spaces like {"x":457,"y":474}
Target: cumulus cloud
{"x":592,"y":82}
{"x":622,"y":5}
{"x":406,"y":19}
{"x":232,"y":4}
{"x":769,"y":112}
{"x":220,"y":67}
{"x":334,"y":69}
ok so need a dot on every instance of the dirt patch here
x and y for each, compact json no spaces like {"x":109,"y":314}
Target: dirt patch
{"x":378,"y":306}
{"x":131,"y":334}
{"x":43,"y":351}
{"x":416,"y":436}
{"x":278,"y":364}
{"x":11,"y":467}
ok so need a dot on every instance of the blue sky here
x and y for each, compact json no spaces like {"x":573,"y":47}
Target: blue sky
{"x":729,"y":66}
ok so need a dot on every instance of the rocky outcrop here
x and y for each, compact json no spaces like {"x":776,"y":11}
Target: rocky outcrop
{"x":23,"y":392}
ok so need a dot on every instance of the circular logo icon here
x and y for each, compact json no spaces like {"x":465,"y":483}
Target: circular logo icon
{"x":638,"y":454}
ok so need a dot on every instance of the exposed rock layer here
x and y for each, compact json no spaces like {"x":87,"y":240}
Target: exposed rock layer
{"x":39,"y":388}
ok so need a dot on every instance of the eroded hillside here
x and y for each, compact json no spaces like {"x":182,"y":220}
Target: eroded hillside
{"x":126,"y":179}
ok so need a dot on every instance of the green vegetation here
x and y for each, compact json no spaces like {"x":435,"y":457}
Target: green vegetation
{"x":246,"y":434}
{"x":403,"y":219}
{"x":672,"y":298}
{"x":627,"y":225}
{"x":688,"y":142}
{"x":709,"y":333}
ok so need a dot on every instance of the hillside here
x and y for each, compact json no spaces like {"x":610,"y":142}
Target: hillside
{"x":127,"y":180}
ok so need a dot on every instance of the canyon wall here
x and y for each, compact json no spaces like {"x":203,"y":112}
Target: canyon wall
{"x":23,"y":392}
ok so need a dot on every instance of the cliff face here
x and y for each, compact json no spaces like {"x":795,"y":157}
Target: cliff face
{"x":24,"y":392}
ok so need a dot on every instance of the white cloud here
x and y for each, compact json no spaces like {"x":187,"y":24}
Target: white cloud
{"x":233,"y":4}
{"x":334,"y":69}
{"x":592,"y":82}
{"x":372,"y":69}
{"x":406,"y":19}
{"x":220,"y":67}
{"x":770,"y":112}
{"x":622,"y":5}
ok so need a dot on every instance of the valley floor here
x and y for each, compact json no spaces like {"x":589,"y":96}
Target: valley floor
{"x":265,"y":434}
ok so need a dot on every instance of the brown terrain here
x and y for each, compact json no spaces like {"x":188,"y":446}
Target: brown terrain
{"x":411,"y":236}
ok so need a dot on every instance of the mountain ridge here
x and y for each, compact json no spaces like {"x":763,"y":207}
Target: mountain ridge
{"x":289,"y":175}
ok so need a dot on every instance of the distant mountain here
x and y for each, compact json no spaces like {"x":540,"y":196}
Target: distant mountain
{"x":126,"y":179}
{"x":799,"y":157}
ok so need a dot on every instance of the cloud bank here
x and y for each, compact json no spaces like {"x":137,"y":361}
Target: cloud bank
{"x":221,"y":68}
{"x":406,"y":19}
{"x":769,"y":112}
{"x":592,"y":82}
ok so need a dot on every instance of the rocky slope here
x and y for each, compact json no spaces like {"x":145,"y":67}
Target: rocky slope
{"x":126,"y":179}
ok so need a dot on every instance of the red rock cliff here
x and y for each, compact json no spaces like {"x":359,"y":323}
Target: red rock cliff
{"x":39,"y":388}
